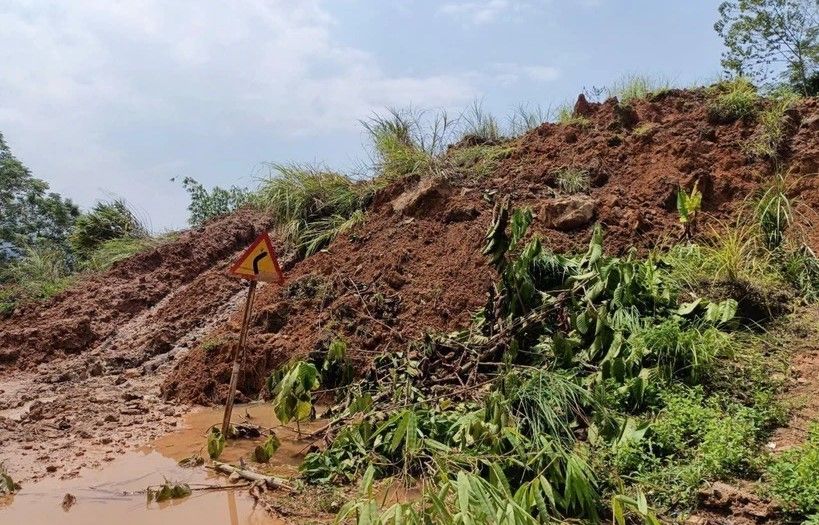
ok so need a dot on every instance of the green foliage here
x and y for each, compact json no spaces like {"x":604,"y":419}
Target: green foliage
{"x":774,"y":121}
{"x":262,"y":453}
{"x":573,"y":180}
{"x":168,"y":491}
{"x":631,"y":88}
{"x":39,"y":274}
{"x":771,"y":36}
{"x":801,"y":269}
{"x":115,"y":250}
{"x":774,"y":212}
{"x":216,"y":443}
{"x":733,"y":100}
{"x":292,"y":392}
{"x":206,"y":205}
{"x":30,"y":216}
{"x":688,"y":206}
{"x":479,"y":161}
{"x":407,"y":142}
{"x":106,"y":221}
{"x":793,"y":476}
{"x":312,"y":205}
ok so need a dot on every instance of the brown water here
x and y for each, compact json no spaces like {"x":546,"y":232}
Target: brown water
{"x":115,"y":494}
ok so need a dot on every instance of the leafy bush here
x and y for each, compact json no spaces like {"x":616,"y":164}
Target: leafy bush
{"x":793,"y":476}
{"x":206,"y":205}
{"x":106,"y":221}
{"x":573,"y":180}
{"x":734,"y":100}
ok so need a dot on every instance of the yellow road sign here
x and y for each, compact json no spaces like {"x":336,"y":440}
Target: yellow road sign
{"x":258,"y":262}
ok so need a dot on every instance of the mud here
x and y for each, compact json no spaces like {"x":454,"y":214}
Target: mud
{"x":115,"y":493}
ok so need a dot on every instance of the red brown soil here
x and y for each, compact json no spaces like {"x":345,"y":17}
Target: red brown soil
{"x":404,"y":274}
{"x":94,"y":309}
{"x":169,"y":316}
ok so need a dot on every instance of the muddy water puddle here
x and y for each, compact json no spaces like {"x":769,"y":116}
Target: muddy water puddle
{"x":116,"y":493}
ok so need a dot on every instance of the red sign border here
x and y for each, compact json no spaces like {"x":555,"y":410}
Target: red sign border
{"x":263,"y":237}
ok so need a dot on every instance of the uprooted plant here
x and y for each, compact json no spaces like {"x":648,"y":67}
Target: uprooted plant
{"x":570,"y":363}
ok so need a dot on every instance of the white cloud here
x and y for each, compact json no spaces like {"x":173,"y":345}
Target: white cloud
{"x":478,"y":12}
{"x":88,"y":85}
{"x":509,"y":73}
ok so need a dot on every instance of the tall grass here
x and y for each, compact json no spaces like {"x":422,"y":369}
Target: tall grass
{"x":105,"y":221}
{"x":566,"y":115}
{"x":773,"y":212}
{"x":525,"y":118}
{"x":309,"y":202}
{"x":773,"y":125}
{"x":39,"y":274}
{"x":480,"y":124}
{"x":573,"y":180}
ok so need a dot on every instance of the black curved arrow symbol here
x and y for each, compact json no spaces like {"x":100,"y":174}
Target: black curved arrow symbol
{"x":256,"y":262}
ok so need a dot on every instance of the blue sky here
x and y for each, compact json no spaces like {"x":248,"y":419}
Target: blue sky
{"x":101,"y":99}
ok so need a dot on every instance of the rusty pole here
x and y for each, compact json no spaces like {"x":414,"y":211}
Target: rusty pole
{"x":238,"y":351}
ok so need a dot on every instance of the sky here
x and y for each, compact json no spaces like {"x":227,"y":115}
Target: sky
{"x":107,"y":99}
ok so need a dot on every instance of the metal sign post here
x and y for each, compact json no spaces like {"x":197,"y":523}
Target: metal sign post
{"x":257,"y":263}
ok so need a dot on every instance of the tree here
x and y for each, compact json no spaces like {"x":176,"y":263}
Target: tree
{"x":765,"y":37}
{"x":29,"y":214}
{"x":216,"y":203}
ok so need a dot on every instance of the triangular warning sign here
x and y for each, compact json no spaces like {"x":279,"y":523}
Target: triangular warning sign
{"x":258,"y":262}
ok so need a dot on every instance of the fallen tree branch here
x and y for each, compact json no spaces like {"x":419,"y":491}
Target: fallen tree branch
{"x":250,"y":475}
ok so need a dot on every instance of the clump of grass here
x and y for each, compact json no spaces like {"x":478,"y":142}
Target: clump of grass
{"x":644,"y":130}
{"x":793,"y":477}
{"x":733,"y":100}
{"x":526,"y":118}
{"x":479,"y":125}
{"x":573,"y":180}
{"x":309,"y":203}
{"x":632,"y":88}
{"x":773,"y":124}
{"x":773,"y":212}
{"x":41,"y":273}
{"x":567,"y":116}
{"x":480,"y":161}
{"x":115,"y":250}
{"x":106,"y":221}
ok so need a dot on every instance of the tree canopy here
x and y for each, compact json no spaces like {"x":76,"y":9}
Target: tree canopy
{"x":772,"y":38}
{"x":29,"y":213}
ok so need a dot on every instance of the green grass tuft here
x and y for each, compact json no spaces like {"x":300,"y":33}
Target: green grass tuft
{"x":793,"y":477}
{"x":573,"y":180}
{"x":632,"y":88}
{"x":773,"y":124}
{"x":733,"y":100}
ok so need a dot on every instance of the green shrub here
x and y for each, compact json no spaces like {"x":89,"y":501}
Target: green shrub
{"x":793,"y":476}
{"x":206,"y":205}
{"x":733,"y":100}
{"x":106,"y":221}
{"x":573,"y":180}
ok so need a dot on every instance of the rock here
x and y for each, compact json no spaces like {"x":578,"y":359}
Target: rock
{"x":68,"y":501}
{"x":419,"y":200}
{"x":111,"y":418}
{"x":582,"y":108}
{"x":130,"y":396}
{"x":51,"y":468}
{"x":95,"y":369}
{"x":568,"y":213}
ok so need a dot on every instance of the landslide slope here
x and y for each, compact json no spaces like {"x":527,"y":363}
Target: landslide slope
{"x":415,"y":265}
